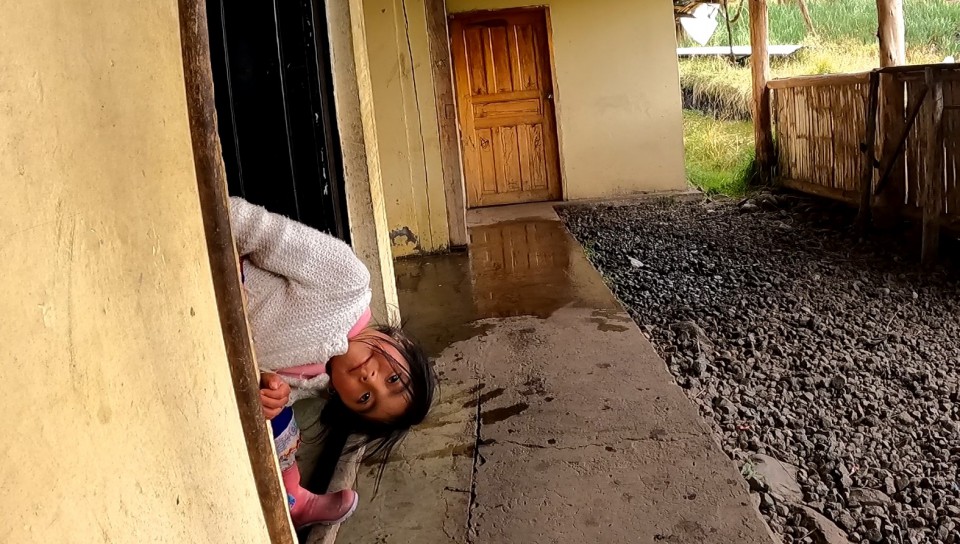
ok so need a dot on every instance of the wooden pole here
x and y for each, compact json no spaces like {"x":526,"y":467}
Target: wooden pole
{"x":760,"y":68}
{"x":892,"y":50}
{"x":933,"y":172}
{"x":869,"y":151}
{"x":891,"y":33}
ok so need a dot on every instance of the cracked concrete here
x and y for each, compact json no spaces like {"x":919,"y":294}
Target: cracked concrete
{"x":557,"y":421}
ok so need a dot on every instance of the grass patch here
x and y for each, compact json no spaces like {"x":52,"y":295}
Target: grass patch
{"x":932,"y":25}
{"x":719,"y":153}
{"x":719,"y":148}
{"x":845,"y":42}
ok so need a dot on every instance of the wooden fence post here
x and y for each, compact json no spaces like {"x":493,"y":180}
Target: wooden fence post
{"x":892,"y":50}
{"x":891,"y":33}
{"x":760,"y":68}
{"x":869,"y":152}
{"x":933,"y":170}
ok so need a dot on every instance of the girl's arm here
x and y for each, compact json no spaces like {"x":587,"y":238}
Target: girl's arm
{"x":295,"y":251}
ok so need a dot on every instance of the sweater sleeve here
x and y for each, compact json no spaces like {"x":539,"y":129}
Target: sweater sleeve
{"x":295,"y":251}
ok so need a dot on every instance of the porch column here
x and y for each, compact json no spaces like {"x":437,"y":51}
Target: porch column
{"x":353,"y":94}
{"x":892,"y":49}
{"x":760,"y":67}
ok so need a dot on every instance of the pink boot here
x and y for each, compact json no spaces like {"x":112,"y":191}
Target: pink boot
{"x":307,"y":509}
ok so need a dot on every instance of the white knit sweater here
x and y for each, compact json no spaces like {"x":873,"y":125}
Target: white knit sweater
{"x":305,"y":290}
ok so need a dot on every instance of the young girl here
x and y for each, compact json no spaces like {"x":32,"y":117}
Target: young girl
{"x":308,"y":299}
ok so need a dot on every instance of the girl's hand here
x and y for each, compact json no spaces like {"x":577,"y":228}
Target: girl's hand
{"x":274,"y":394}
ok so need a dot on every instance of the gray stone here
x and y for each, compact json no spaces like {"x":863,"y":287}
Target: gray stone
{"x":890,"y":485}
{"x":872,"y":530}
{"x":823,"y":357}
{"x":906,"y":419}
{"x":780,"y":478}
{"x":847,"y":521}
{"x":845,"y":480}
{"x":824,"y":530}
{"x":861,"y":496}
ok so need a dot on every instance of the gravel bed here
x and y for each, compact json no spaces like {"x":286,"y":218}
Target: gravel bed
{"x":835,"y":357}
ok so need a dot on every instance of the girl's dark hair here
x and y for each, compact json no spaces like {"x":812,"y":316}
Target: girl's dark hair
{"x":378,"y":439}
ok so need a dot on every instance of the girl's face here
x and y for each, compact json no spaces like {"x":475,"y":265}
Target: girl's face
{"x":367,"y":381}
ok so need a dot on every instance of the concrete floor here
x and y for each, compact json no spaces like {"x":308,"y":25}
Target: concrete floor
{"x":558,"y":422}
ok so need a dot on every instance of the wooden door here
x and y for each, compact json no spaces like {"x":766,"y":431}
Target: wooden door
{"x":501,"y":64}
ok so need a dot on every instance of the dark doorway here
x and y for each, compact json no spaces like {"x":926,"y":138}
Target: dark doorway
{"x":275,"y":108}
{"x":275,"y":113}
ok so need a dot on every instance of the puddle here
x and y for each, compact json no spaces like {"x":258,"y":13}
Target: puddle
{"x":610,"y":320}
{"x":518,"y":268}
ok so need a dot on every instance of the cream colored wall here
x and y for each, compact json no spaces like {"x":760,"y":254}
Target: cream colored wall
{"x":618,"y":93}
{"x":407,"y":130}
{"x":119,"y":418}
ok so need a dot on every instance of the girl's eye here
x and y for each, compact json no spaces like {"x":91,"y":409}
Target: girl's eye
{"x":393,"y":379}
{"x":364,"y":398}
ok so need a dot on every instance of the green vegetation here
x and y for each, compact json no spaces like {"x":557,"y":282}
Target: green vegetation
{"x":719,"y":153}
{"x":845,"y":41}
{"x":932,"y":25}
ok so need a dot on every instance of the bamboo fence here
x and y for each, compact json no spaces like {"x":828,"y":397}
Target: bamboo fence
{"x":823,"y":147}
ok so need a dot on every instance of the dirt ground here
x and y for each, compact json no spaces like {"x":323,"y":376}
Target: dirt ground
{"x":832,"y":355}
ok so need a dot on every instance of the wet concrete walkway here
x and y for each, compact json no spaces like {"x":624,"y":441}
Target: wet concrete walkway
{"x":558,"y":423}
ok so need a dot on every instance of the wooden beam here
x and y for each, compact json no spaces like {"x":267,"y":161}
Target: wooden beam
{"x":900,"y":140}
{"x":225,"y":267}
{"x":438,"y":39}
{"x":760,"y":68}
{"x":933,"y":172}
{"x":949,"y":72}
{"x":825,"y":80}
{"x":869,"y":151}
{"x":815,"y":189}
{"x":891,"y":33}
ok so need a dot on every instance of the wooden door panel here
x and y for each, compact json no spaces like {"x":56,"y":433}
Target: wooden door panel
{"x":506,"y":114}
{"x":526,"y":67}
{"x":498,"y":53}
{"x":495,"y":110}
{"x":509,"y":156}
{"x":487,"y":174}
{"x":506,"y":97}
{"x":533,"y":169}
{"x":476,"y":61}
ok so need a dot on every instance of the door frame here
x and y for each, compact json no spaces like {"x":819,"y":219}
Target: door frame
{"x":449,"y":106}
{"x":292,"y":82}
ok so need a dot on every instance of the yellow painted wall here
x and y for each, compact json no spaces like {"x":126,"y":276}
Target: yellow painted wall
{"x":618,"y":93}
{"x":356,"y":122}
{"x":407,"y":130}
{"x":119,"y":418}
